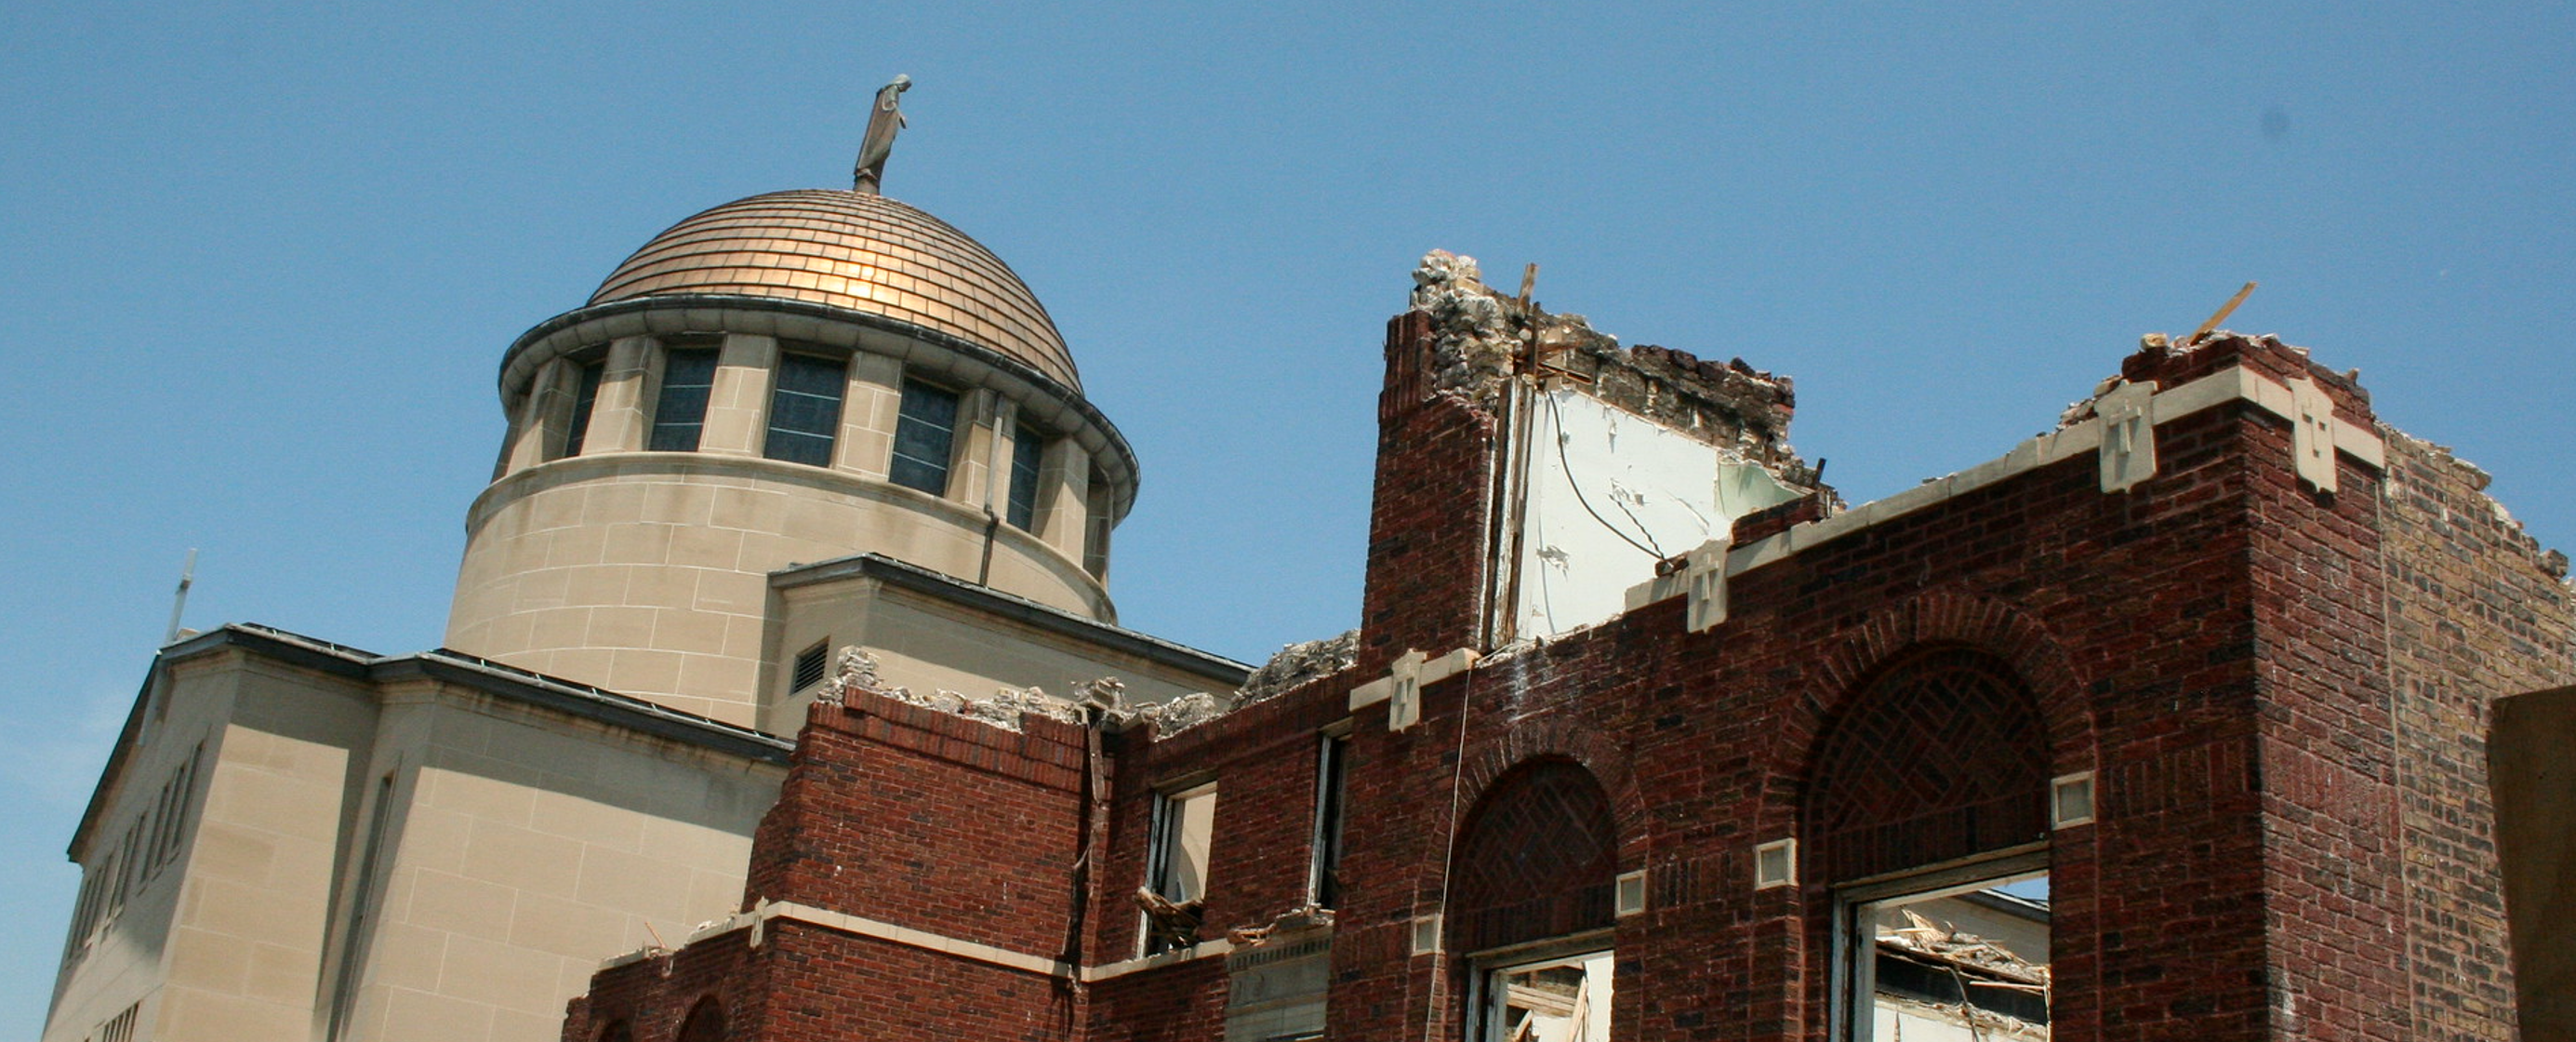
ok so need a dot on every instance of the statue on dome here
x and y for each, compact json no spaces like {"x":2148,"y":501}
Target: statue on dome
{"x":883,"y":123}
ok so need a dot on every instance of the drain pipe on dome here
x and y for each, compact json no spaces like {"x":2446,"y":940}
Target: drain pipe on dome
{"x":992,"y":480}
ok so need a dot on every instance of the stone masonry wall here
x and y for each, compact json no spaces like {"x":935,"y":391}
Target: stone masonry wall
{"x":2477,"y":610}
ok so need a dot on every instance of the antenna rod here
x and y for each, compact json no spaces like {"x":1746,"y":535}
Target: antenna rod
{"x":187,"y":575}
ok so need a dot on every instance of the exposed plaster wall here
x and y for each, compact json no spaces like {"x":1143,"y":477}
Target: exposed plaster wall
{"x":1624,"y":456}
{"x":1602,"y":482}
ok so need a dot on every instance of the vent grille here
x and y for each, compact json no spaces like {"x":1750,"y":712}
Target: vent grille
{"x":809,"y":667}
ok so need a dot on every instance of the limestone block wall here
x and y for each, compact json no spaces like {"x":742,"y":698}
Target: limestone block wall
{"x":522,"y":849}
{"x":225,"y":941}
{"x":647,"y":573}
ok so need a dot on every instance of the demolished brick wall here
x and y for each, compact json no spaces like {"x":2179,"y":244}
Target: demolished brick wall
{"x":2477,"y":610}
{"x":2272,"y":685}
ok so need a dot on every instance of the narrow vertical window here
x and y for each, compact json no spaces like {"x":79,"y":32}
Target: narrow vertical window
{"x":1026,"y":446}
{"x":925,"y":429}
{"x":585,"y":393}
{"x":1324,"y":876}
{"x":680,"y":414}
{"x":84,"y":914}
{"x":805,"y":409}
{"x":344,"y":993}
{"x":1177,"y":866}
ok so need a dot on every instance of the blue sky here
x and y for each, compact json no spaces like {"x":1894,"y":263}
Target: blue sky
{"x":261,"y":261}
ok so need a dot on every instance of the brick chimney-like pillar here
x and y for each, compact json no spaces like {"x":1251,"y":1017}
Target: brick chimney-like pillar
{"x":1430,"y":520}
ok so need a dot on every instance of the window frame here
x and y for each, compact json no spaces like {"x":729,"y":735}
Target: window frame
{"x":1166,"y":832}
{"x":905,"y":417}
{"x":1482,"y":1023}
{"x":586,"y":378}
{"x":661,"y":419}
{"x":1028,"y":449}
{"x":1855,"y":966}
{"x":830,"y":435}
{"x":1326,"y":839}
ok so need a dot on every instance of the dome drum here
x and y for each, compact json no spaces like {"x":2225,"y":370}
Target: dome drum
{"x":790,"y":378}
{"x":1058,"y":408}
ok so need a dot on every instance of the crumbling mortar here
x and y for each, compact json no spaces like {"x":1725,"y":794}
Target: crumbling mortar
{"x":1478,"y":334}
{"x":1297,"y":665}
{"x":1102,"y":702}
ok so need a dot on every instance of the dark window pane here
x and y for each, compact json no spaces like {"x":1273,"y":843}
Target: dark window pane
{"x":805,"y":410}
{"x":1325,"y":878}
{"x":688,"y":377}
{"x":1025,"y":447}
{"x":585,"y":394}
{"x":925,"y":428}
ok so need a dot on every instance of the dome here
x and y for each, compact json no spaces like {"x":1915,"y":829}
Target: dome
{"x":866,"y":253}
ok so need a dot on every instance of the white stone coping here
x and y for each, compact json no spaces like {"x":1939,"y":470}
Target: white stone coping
{"x":2083,"y":439}
{"x":1428,"y":671}
{"x":758,"y":918}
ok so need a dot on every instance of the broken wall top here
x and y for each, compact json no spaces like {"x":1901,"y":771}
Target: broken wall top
{"x":1480,"y":337}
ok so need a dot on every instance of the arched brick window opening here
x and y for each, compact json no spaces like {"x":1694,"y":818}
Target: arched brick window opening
{"x":706,"y":1023}
{"x":1530,"y":905}
{"x":1537,"y":859}
{"x":1925,"y":821}
{"x":1944,"y":756}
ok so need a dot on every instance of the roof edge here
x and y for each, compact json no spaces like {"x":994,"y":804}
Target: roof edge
{"x":1016,"y":608}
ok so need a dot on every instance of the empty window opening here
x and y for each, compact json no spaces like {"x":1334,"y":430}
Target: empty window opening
{"x":170,"y":814}
{"x":805,"y":409}
{"x":680,"y":412}
{"x":925,"y":432}
{"x":1026,"y":446}
{"x":809,"y":667}
{"x":344,"y":991}
{"x":706,"y":1023}
{"x":1965,"y":961}
{"x":585,"y":395}
{"x":1176,"y":868}
{"x":1324,"y":875}
{"x":1560,"y":999}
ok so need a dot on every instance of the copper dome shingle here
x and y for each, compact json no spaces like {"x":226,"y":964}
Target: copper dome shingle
{"x":863,"y":252}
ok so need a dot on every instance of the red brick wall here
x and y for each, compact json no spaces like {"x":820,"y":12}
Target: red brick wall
{"x":1427,"y":519}
{"x":654,"y":996}
{"x":932,"y":821}
{"x":2156,"y":649}
{"x":2214,"y":644}
{"x":807,"y":983}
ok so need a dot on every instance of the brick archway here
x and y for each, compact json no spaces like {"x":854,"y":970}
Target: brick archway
{"x":706,"y":1022}
{"x":1529,"y":741}
{"x":1536,"y":858}
{"x":1942,"y":756}
{"x":1863,"y":652}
